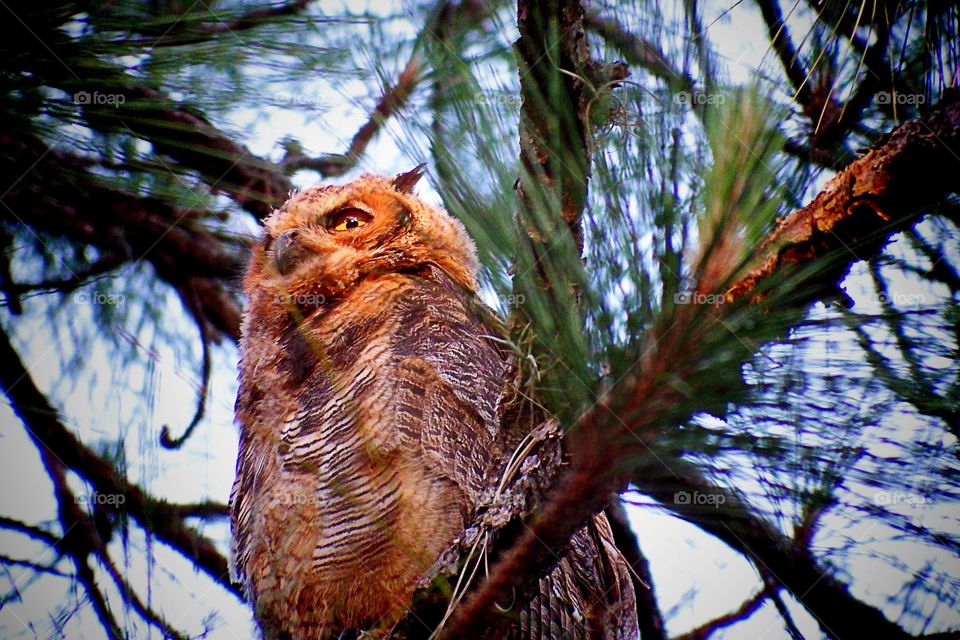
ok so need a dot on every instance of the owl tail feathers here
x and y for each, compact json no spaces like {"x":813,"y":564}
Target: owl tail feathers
{"x":588,"y":596}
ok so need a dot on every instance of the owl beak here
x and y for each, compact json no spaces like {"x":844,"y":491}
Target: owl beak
{"x":287,"y":251}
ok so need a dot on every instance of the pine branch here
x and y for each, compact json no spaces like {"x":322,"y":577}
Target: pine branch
{"x":393,"y":99}
{"x":638,"y":51}
{"x":199,"y":33}
{"x":104,"y":265}
{"x":782,"y":43}
{"x":830,"y":120}
{"x":859,"y":210}
{"x":187,"y":137}
{"x":58,"y":196}
{"x":175,"y":130}
{"x":649,"y":57}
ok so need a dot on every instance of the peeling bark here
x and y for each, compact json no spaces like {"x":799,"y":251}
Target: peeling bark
{"x":877,"y":195}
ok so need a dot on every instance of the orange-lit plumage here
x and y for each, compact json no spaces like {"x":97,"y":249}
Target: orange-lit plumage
{"x":369,"y":417}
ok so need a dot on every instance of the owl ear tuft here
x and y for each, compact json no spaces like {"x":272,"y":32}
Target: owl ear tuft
{"x":405,"y":182}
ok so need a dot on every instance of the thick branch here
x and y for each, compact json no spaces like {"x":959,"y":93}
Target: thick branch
{"x":554,"y":150}
{"x":649,"y":617}
{"x":877,"y":195}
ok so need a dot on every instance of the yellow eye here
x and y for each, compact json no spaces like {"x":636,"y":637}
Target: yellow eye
{"x":348,"y":219}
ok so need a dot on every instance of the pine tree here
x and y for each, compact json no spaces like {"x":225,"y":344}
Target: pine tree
{"x":735,"y":284}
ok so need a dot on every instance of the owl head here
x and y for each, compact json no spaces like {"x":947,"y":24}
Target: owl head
{"x":325,"y":240}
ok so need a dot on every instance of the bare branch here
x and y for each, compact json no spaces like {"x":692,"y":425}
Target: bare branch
{"x":743,"y":612}
{"x":204,"y":510}
{"x":58,"y":443}
{"x":775,"y":555}
{"x":76,"y":541}
{"x":394,"y":98}
{"x":772,"y":586}
{"x":31,"y":531}
{"x":32,"y":566}
{"x":7,"y":285}
{"x":194,"y":307}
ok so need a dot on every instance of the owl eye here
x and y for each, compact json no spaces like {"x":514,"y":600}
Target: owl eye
{"x":347,"y":219}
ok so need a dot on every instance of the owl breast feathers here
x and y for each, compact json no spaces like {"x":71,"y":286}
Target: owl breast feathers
{"x":368,"y":412}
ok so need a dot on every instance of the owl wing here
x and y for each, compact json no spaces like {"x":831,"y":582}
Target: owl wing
{"x":453,"y":375}
{"x":451,"y":435}
{"x":449,"y":374}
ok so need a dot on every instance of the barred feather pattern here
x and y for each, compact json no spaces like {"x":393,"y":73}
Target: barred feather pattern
{"x":368,"y":433}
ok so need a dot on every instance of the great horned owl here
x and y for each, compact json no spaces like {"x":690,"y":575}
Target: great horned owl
{"x":368,"y":408}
